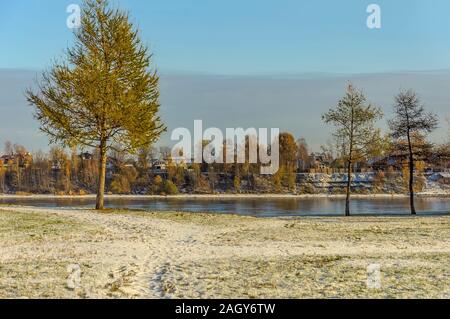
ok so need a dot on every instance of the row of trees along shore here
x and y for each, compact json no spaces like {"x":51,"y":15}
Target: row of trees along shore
{"x":105,"y":96}
{"x":73,"y":172}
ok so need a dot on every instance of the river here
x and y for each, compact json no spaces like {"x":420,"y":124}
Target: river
{"x":260,"y":207}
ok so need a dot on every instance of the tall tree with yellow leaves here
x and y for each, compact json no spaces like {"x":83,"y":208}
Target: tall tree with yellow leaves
{"x":105,"y":93}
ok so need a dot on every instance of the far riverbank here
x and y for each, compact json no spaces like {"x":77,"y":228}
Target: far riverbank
{"x":224,"y":196}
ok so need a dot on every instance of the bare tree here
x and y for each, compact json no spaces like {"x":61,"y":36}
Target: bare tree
{"x":9,"y":148}
{"x":302,"y":154}
{"x":448,"y":130}
{"x":355,"y":129}
{"x":165,"y":152}
{"x":411,"y":120}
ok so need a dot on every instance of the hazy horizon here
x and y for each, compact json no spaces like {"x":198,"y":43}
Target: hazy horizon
{"x":291,"y":102}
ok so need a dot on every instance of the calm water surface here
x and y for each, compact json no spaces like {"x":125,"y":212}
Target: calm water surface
{"x":262,"y":207}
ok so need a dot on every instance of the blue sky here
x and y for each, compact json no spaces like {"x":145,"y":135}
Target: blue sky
{"x":249,"y":37}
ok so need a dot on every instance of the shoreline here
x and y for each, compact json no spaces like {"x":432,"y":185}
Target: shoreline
{"x":226,"y":196}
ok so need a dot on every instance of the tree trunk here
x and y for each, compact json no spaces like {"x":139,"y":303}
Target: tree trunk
{"x":411,"y":177}
{"x":349,"y":185}
{"x":350,"y":161}
{"x":100,"y":203}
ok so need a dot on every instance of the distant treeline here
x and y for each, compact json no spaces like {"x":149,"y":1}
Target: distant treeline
{"x":152,"y":171}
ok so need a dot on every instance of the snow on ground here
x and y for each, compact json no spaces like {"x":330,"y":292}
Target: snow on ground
{"x":122,"y":254}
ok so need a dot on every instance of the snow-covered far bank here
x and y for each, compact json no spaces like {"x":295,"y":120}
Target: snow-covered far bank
{"x":307,"y":185}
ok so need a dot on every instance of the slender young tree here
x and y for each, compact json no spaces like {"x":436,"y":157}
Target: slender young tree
{"x":410,"y":120}
{"x":354,"y":121}
{"x":105,"y":93}
{"x":302,"y":154}
{"x":448,"y":131}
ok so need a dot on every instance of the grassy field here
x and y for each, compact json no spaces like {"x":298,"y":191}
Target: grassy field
{"x":177,"y":255}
